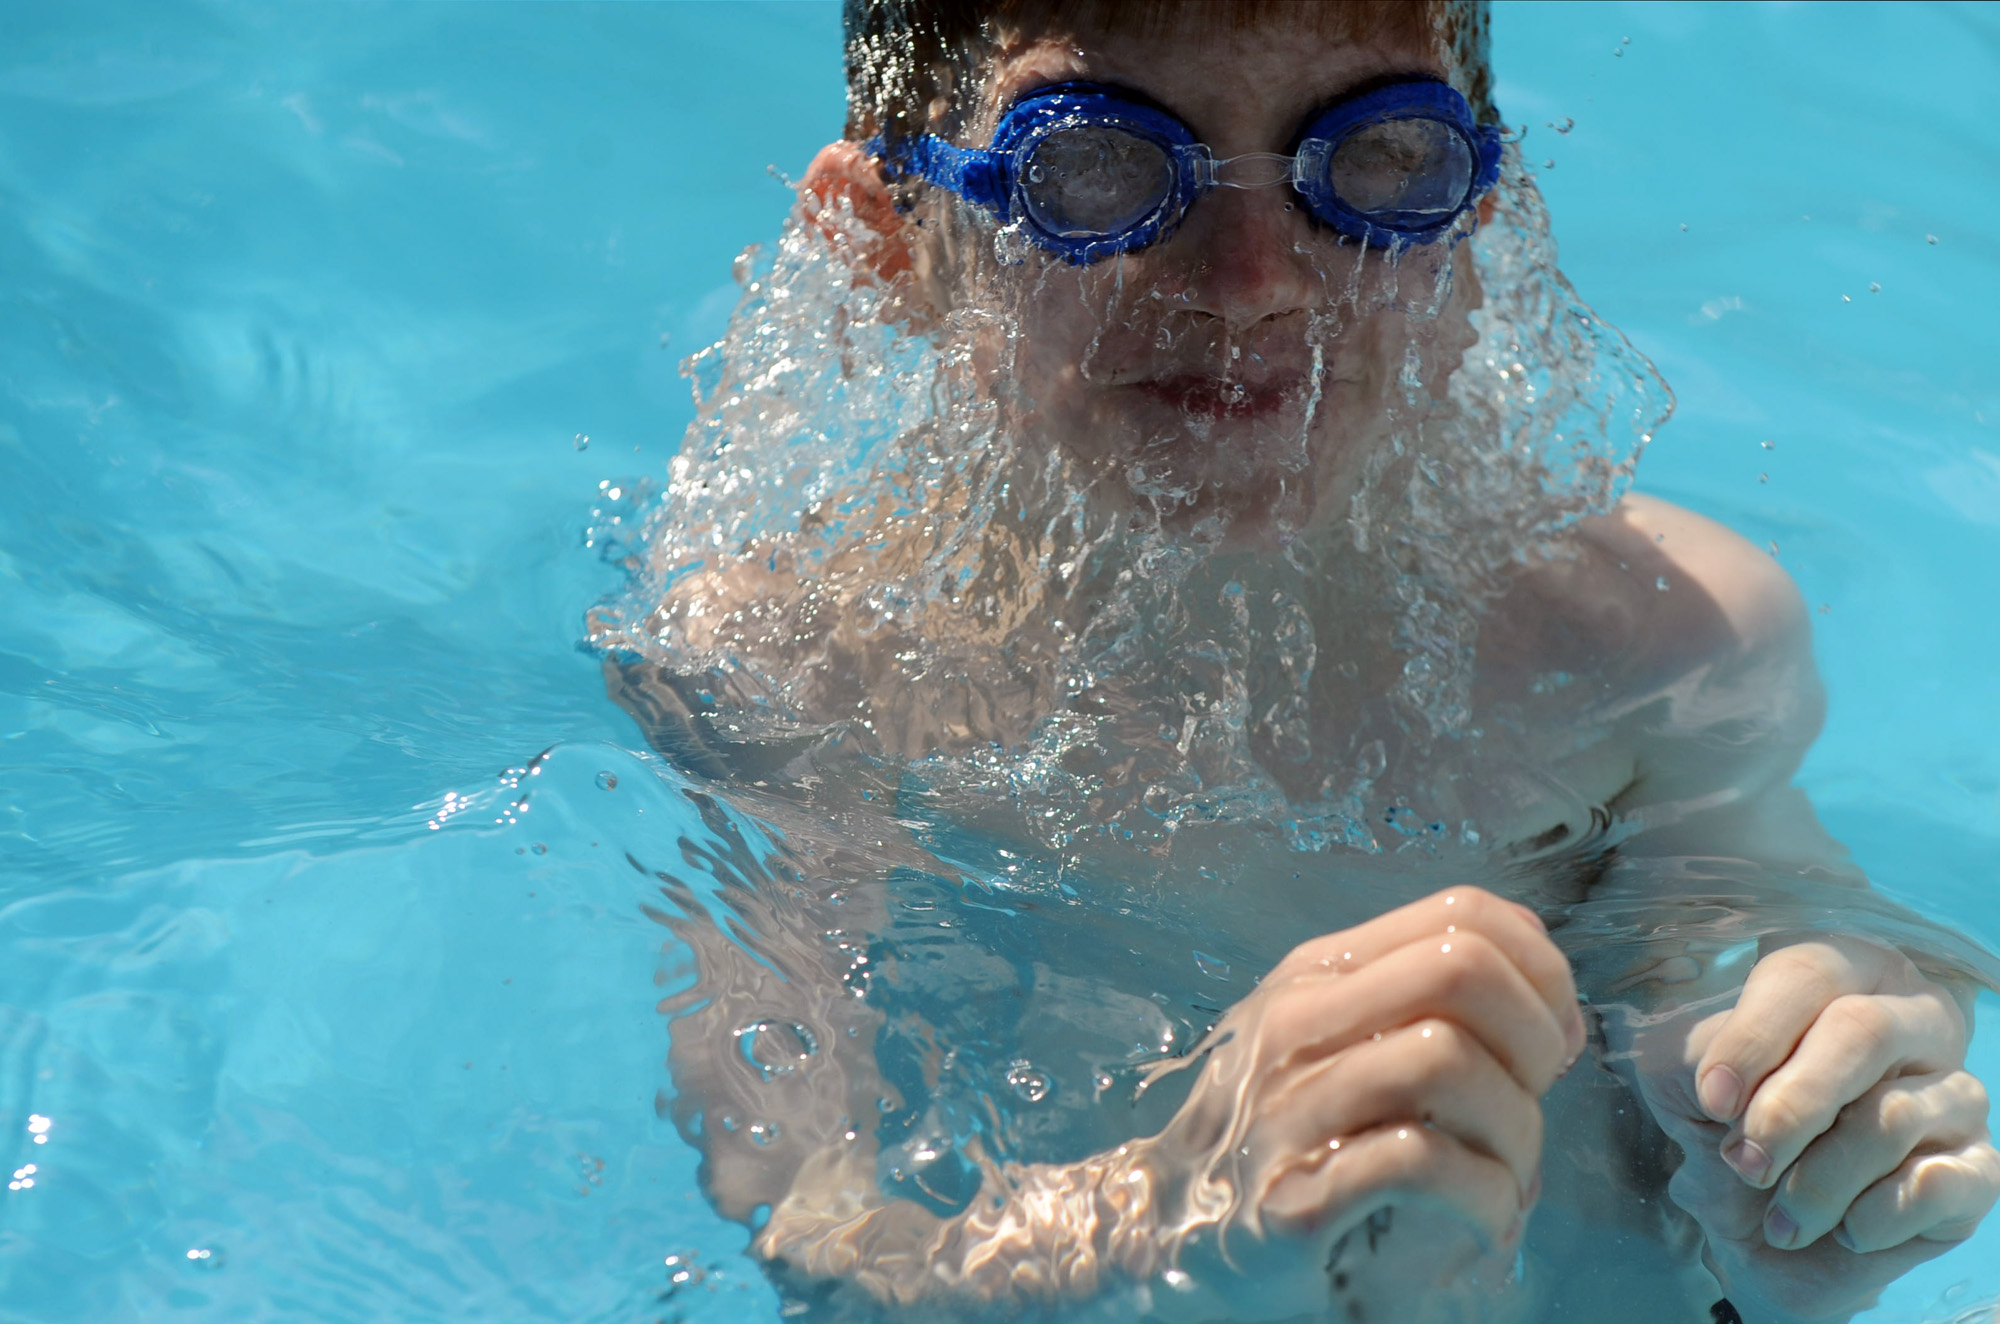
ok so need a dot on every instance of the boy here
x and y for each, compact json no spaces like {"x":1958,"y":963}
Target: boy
{"x":1210,"y":267}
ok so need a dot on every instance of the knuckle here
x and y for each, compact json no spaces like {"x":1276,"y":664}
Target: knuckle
{"x":1436,"y":1058}
{"x":1864,"y":1022}
{"x":1901,"y":1114}
{"x":1930,"y":1180}
{"x":1808,"y":1190}
{"x":1808,"y":970}
{"x":1970,"y":1093}
{"x":1778,"y":1114}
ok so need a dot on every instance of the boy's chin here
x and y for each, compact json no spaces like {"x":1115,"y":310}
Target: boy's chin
{"x":1237,"y":479}
{"x":1250,"y":505}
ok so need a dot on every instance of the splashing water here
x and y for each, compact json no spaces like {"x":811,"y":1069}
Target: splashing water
{"x":884,"y":541}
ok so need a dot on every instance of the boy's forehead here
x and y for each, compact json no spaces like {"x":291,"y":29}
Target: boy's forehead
{"x":1218,"y":81}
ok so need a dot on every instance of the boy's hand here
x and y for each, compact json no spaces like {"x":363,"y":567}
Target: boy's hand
{"x":1397,"y":1064}
{"x":1833,"y":1137}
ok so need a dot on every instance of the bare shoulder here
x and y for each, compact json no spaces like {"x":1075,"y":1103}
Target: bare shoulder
{"x":1731,"y":593}
{"x":1641,"y":597}
{"x":1683,"y":651}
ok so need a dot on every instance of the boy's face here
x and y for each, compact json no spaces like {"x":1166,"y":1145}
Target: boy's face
{"x":1246,"y":366}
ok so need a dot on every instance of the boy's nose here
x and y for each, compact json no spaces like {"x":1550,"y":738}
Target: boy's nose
{"x":1247,"y":256}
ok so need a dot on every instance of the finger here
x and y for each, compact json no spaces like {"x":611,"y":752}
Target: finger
{"x":1461,"y":977}
{"x":1868,"y":1141}
{"x":1783,"y":996}
{"x":1934,"y":1197}
{"x":1709,"y":1190}
{"x":1514,"y":928}
{"x":1433,"y":1073}
{"x":1857,"y":1041}
{"x":1391,"y":1165}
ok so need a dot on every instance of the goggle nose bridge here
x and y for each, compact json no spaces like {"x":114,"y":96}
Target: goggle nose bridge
{"x":1249,"y":170}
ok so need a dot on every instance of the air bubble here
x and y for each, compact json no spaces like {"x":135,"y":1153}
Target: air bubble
{"x":683,"y":1272}
{"x":581,"y":441}
{"x":206,"y":1258}
{"x":1212,"y":966}
{"x":1930,"y":239}
{"x":1874,"y":287}
{"x":1563,"y":125}
{"x":1662,"y":584}
{"x":1028,"y":1081}
{"x":776,"y":1048}
{"x":607,"y":781}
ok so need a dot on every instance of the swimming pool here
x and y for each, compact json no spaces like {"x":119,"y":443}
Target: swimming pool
{"x":306,"y":317}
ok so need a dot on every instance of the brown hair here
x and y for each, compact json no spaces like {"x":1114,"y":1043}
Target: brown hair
{"x":907,"y":58}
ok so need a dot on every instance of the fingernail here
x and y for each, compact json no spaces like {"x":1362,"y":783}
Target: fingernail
{"x":1749,"y":1160}
{"x":1780,"y":1228}
{"x":1841,"y":1235}
{"x":1721,"y":1091}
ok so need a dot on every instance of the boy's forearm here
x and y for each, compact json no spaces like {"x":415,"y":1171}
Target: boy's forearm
{"x":1037,"y":1233}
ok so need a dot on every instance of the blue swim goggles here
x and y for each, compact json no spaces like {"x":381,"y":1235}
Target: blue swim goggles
{"x":1088,"y":170}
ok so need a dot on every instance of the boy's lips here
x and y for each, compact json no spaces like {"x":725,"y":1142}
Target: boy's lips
{"x":1215,"y":397}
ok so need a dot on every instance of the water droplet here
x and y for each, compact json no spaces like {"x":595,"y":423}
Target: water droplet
{"x":1028,"y":1081}
{"x":581,"y":441}
{"x":1212,"y":966}
{"x":607,"y":781}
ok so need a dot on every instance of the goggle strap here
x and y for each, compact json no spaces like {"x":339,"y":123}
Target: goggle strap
{"x":975,"y":174}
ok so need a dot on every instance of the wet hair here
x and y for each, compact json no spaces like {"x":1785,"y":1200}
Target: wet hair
{"x":908,"y":59}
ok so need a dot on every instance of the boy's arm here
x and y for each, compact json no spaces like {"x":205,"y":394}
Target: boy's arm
{"x":1833,"y":1138}
{"x":1395,"y":1064}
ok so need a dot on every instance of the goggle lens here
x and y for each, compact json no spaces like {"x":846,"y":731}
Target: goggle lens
{"x":1415,"y":167}
{"x":1091,"y":181}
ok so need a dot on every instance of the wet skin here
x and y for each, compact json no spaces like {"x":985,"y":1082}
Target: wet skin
{"x":1832,"y":1137}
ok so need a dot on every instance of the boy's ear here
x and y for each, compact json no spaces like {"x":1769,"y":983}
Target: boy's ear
{"x":869,"y":230}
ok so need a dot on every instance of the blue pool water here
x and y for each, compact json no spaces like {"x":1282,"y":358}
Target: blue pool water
{"x":304,"y":312}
